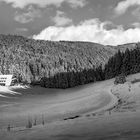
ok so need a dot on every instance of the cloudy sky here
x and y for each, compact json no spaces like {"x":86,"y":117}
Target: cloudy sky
{"x":109,"y":22}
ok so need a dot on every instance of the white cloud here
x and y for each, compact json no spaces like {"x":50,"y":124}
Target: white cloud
{"x":136,"y":25}
{"x":27,"y":16}
{"x":44,"y":3}
{"x":124,"y":5}
{"x":91,"y":30}
{"x":61,"y":20}
{"x":77,"y":3}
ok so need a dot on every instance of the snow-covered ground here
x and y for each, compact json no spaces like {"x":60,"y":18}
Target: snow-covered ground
{"x":95,"y":111}
{"x":6,"y":91}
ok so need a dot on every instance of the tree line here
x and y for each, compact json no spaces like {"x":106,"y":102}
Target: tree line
{"x":29,"y":60}
{"x":125,"y":63}
{"x":64,"y":64}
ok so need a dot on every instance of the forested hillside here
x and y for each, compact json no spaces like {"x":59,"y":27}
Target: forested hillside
{"x":121,"y":64}
{"x":30,"y":60}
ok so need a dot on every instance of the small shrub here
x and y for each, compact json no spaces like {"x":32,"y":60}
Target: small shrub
{"x":8,"y":127}
{"x":121,"y":79}
{"x":29,"y":125}
{"x":35,"y":120}
{"x":43,"y":121}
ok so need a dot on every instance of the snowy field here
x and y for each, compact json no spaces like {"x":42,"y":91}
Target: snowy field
{"x":94,"y":111}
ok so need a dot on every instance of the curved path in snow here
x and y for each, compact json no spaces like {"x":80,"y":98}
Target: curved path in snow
{"x":53,"y":104}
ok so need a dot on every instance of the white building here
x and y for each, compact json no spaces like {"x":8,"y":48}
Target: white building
{"x":5,"y":80}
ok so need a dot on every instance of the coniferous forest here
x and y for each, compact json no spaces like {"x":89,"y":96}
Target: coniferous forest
{"x":126,"y":63}
{"x":29,"y":60}
{"x":65,"y":64}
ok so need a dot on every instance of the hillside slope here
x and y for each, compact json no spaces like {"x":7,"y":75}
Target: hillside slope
{"x":30,"y":59}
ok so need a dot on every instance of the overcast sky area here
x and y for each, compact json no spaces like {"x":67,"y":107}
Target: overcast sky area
{"x":109,"y":22}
